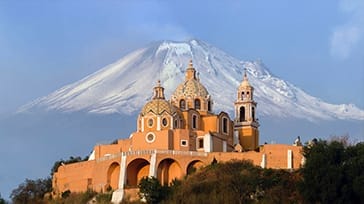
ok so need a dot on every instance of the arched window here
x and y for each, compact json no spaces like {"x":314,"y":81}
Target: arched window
{"x":242,"y":114}
{"x":197,"y":104}
{"x":182,"y":104}
{"x":209,"y":106}
{"x":224,"y":125}
{"x":253,"y":113}
{"x":194,"y":121}
{"x":164,"y":122}
{"x":242,"y":95}
{"x":175,"y":123}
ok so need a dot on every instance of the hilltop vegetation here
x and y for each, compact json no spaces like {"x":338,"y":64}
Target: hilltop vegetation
{"x":231,"y":182}
{"x":333,"y":173}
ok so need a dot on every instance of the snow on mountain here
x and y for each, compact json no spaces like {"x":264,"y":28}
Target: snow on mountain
{"x":126,"y":85}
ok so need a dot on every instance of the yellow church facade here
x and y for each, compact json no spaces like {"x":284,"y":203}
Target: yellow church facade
{"x":174,"y":138}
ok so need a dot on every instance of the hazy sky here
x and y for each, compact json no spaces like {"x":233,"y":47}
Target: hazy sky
{"x":316,"y":45}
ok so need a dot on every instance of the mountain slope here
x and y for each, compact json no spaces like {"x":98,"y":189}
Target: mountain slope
{"x":126,"y":85}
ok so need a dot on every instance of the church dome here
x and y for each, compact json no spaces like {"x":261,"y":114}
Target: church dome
{"x":158,"y":107}
{"x":191,"y":88}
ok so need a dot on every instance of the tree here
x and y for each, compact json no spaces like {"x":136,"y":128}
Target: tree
{"x":236,"y":181}
{"x":151,"y":190}
{"x":2,"y":201}
{"x":31,"y":191}
{"x":333,"y":172}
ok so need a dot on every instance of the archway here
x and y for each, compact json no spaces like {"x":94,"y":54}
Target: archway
{"x":113,"y":174}
{"x":194,"y":166}
{"x":168,"y":169}
{"x":136,"y":170}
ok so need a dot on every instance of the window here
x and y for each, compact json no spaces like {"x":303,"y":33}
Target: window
{"x":194,"y":121}
{"x":175,"y":124}
{"x":197,"y":104}
{"x":242,"y":114}
{"x":150,"y":137}
{"x":224,"y":125}
{"x":242,"y":95}
{"x":209,"y":106}
{"x":182,"y":104}
{"x":150,"y":122}
{"x":200,"y":143}
{"x":184,"y":143}
{"x":164,"y":122}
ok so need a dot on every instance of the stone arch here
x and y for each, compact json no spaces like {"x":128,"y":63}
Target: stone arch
{"x":168,"y":169}
{"x":113,"y":174}
{"x":136,"y":170}
{"x":193,"y":166}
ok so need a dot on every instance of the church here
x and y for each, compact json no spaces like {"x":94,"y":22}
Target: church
{"x":174,"y":138}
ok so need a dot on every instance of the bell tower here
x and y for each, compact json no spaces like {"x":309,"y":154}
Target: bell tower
{"x":246,"y":132}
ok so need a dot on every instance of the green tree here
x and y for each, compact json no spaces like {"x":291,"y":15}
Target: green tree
{"x":2,"y":201}
{"x":31,"y":191}
{"x":237,"y":182}
{"x":333,"y":172}
{"x":151,"y":190}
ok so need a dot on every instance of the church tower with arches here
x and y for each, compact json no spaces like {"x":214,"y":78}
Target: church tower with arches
{"x":246,"y":132}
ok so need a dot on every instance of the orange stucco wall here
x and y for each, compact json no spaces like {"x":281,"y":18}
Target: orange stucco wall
{"x":100,"y":173}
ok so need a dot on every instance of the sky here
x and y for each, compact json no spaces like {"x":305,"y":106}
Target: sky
{"x":316,"y":45}
{"x":44,"y":45}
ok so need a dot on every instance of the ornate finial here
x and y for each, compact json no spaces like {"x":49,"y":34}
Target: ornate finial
{"x":159,"y":83}
{"x":190,"y":65}
{"x":245,"y":76}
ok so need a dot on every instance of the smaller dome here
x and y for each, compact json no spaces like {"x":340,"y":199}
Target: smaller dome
{"x":158,"y":106}
{"x":245,"y":82}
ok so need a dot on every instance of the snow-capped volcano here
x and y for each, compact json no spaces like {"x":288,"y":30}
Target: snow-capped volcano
{"x":126,"y":85}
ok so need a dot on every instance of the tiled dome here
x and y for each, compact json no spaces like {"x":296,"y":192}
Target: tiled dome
{"x":159,"y":106}
{"x":191,"y":88}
